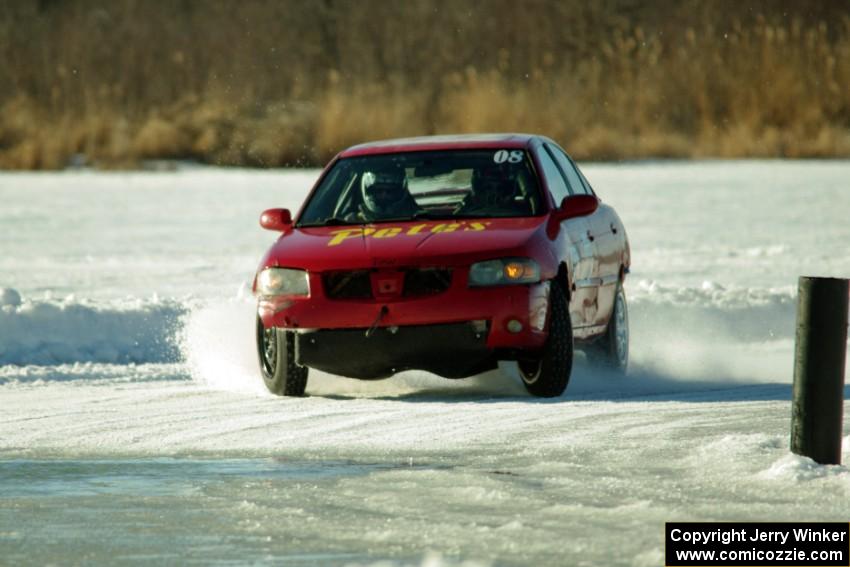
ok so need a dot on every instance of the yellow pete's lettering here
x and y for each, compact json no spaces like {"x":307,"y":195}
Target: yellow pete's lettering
{"x":340,"y":236}
{"x":445,"y":227}
{"x":387,"y":232}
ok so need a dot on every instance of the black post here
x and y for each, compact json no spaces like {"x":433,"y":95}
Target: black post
{"x":818,"y":403}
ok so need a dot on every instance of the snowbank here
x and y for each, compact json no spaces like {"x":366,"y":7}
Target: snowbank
{"x":712,"y":311}
{"x":47,"y":332}
{"x":92,"y":373}
{"x":741,"y":333}
{"x":791,"y":467}
{"x":707,"y":332}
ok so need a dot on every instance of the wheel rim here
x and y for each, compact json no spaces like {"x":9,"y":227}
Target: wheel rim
{"x":529,"y":370}
{"x":269,"y":349}
{"x":621,"y":335}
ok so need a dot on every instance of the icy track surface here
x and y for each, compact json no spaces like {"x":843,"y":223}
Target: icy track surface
{"x":134,"y":427}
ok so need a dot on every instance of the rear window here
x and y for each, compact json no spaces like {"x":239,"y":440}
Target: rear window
{"x":440,"y":185}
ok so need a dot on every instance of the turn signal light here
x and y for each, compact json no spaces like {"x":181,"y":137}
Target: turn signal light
{"x":514,"y":270}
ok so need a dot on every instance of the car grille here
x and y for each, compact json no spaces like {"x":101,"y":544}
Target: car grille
{"x":426,"y":281}
{"x":357,"y":284}
{"x":348,"y":285}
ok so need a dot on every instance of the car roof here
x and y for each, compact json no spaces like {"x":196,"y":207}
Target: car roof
{"x":436,"y":143}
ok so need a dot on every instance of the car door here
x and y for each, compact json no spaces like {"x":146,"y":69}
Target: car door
{"x":608,"y":234}
{"x":579,"y":246}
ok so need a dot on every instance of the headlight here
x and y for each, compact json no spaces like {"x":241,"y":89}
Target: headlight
{"x":282,"y":281}
{"x":504,"y":271}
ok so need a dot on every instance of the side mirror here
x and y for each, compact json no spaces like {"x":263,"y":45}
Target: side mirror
{"x":575,"y":206}
{"x":276,"y":219}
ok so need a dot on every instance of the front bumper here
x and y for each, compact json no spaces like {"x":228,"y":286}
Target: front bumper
{"x":455,"y":350}
{"x":497,"y":306}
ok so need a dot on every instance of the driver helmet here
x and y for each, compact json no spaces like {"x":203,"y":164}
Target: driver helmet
{"x":383,"y":190}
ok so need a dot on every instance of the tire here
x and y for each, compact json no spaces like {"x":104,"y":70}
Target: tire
{"x":276,"y":350}
{"x":548,"y":374}
{"x":611,"y":350}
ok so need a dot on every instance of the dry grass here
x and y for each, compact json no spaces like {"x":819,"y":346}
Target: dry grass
{"x":292,"y":83}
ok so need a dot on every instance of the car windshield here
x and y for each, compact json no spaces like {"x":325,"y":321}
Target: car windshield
{"x":425,"y":185}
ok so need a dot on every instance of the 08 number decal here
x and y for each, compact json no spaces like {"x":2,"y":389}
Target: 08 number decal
{"x":502,"y":156}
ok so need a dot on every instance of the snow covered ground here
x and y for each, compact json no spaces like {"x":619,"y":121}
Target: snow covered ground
{"x":134,"y":427}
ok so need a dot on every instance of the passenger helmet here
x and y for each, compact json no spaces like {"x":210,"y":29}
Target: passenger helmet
{"x":494,"y":184}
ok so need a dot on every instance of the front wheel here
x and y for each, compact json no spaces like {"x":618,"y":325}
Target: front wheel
{"x":276,"y":350}
{"x":611,"y":351}
{"x":548,"y":374}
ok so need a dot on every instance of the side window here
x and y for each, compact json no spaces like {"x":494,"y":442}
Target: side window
{"x":584,"y":180}
{"x":576,"y":185}
{"x":554,"y":179}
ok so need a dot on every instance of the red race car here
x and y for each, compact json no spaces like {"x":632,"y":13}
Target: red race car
{"x":446,"y":254}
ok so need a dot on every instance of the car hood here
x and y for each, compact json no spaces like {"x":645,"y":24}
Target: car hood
{"x":417,"y":243}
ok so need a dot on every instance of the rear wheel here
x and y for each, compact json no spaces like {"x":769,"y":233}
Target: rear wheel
{"x":612,"y":349}
{"x":547,"y":374}
{"x":276,"y":350}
